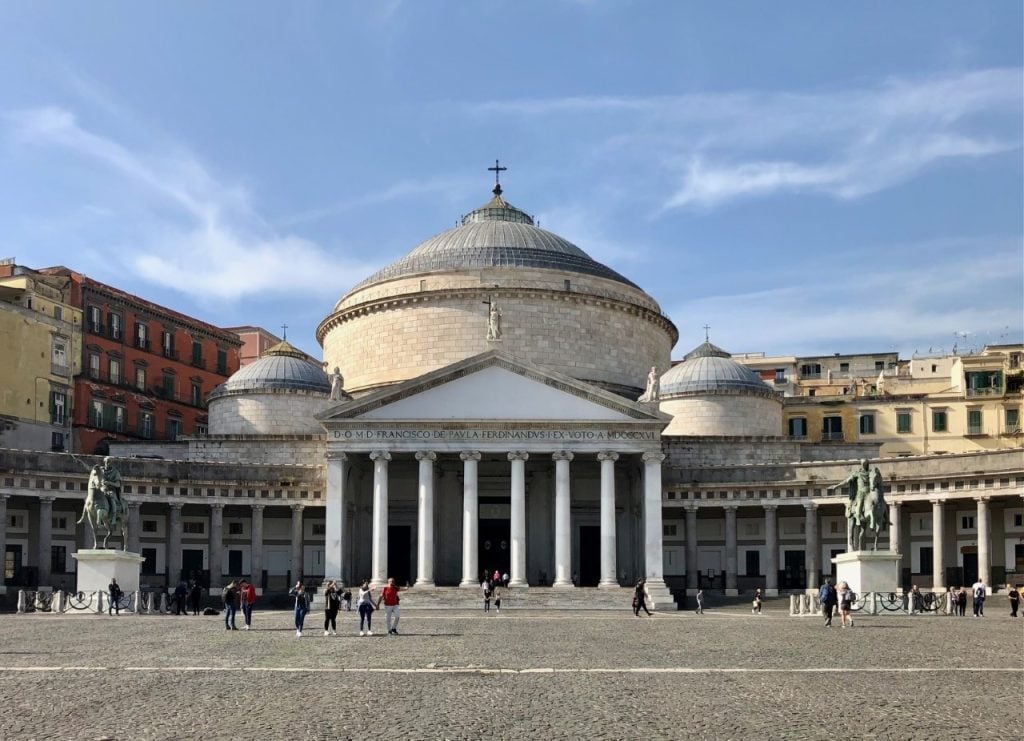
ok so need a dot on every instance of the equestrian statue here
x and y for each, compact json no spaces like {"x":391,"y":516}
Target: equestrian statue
{"x":866,"y":510}
{"x":103,"y":505}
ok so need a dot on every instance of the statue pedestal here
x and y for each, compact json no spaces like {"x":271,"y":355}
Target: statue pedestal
{"x":869,"y":571}
{"x":97,"y":566}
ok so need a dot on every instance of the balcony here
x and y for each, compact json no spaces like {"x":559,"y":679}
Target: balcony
{"x":59,"y":369}
{"x":171,"y":353}
{"x":142,"y":344}
{"x":987,"y":391}
{"x":1012,"y":430}
{"x":975,"y":430}
{"x":95,"y":328}
{"x":831,"y":437}
{"x":198,"y":363}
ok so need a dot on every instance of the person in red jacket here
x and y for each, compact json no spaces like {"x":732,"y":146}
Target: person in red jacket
{"x":389,"y":596}
{"x":247,"y":592}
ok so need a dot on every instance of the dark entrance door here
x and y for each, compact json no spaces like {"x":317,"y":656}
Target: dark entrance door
{"x":495,"y":546}
{"x":970,"y":568}
{"x":590,"y":555}
{"x":794,"y":574}
{"x":400,"y":553}
{"x":12,"y":561}
{"x":192,"y":565}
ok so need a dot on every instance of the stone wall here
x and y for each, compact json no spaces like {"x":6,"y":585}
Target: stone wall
{"x":270,"y":413}
{"x":579,"y":332}
{"x":307,"y":450}
{"x":730,"y":414}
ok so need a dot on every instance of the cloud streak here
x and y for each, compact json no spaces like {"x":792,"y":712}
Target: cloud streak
{"x":719,"y":148}
{"x":201,"y":236}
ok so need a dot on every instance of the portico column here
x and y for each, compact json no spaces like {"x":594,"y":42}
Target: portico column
{"x":939,"y":544}
{"x":895,"y":527}
{"x":45,"y":539}
{"x":813,"y":544}
{"x":379,"y":557}
{"x":984,"y":535}
{"x":771,"y":545}
{"x":563,"y":517}
{"x":297,"y":536}
{"x":731,"y":556}
{"x":692,"y":573}
{"x":256,"y":547}
{"x":174,"y":545}
{"x":3,"y":538}
{"x":517,"y":575}
{"x":134,"y":527}
{"x":470,"y":519}
{"x":334,"y":540}
{"x":216,"y":544}
{"x":608,"y":536}
{"x":425,"y":526}
{"x":653,"y":556}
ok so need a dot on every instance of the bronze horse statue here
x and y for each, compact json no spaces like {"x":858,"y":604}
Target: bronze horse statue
{"x":103,"y":509}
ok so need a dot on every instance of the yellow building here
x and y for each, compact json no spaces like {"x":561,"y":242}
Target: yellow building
{"x":40,"y":347}
{"x":940,"y":404}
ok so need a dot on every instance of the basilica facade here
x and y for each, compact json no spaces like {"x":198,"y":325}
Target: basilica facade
{"x":497,"y":400}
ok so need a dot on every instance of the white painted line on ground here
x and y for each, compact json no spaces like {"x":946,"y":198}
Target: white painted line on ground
{"x":537,"y":670}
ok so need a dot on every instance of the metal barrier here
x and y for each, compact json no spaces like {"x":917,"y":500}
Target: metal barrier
{"x":60,"y":602}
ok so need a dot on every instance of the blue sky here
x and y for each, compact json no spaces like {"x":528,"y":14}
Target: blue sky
{"x":805,"y":178}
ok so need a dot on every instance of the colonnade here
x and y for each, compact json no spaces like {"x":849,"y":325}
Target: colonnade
{"x":337,"y":465}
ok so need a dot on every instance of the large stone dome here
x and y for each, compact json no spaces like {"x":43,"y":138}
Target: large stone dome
{"x":557,"y":308}
{"x":709,"y":393}
{"x":279,"y":394}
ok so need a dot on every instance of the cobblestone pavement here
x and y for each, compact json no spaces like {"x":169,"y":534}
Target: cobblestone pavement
{"x":724,"y":675}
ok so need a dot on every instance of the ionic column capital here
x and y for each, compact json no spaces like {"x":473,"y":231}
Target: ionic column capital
{"x":895,"y":504}
{"x":690,"y":506}
{"x":46,"y":500}
{"x":810,"y":506}
{"x":378,"y":455}
{"x":983,"y":499}
{"x":176,"y":507}
{"x":937,"y":502}
{"x":769,"y":506}
{"x":297,"y":507}
{"x":258,"y":508}
{"x":216,"y":507}
{"x":653,"y":457}
{"x":562,"y":455}
{"x":426,"y":455}
{"x":470,"y":455}
{"x":608,"y":455}
{"x":730,"y":507}
{"x":336,"y":455}
{"x":518,"y":455}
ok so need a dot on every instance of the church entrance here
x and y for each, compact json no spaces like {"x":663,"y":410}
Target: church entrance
{"x":400,"y":553}
{"x":495,"y":546}
{"x":590,"y":556}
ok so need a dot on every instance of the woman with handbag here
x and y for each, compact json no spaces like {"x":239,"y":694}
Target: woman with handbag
{"x":365,"y":607}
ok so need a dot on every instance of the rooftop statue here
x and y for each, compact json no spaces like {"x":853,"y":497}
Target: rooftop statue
{"x":337,"y":385}
{"x":866,"y":510}
{"x":493,"y":321}
{"x":104,"y":507}
{"x":653,"y":390}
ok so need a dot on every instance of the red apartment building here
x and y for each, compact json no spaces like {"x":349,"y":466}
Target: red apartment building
{"x":146,"y":370}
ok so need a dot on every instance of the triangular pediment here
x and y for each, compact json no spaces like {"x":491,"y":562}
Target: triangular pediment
{"x":494,"y":386}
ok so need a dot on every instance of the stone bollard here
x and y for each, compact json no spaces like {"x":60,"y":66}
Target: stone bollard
{"x":164,"y":608}
{"x":100,"y":596}
{"x":805,"y":604}
{"x":21,"y":600}
{"x":794,"y":605}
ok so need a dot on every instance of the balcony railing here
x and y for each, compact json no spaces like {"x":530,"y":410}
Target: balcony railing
{"x":58,"y":369}
{"x":975,"y":430}
{"x":170,"y":352}
{"x":988,"y":391}
{"x":142,"y":344}
{"x":831,"y":436}
{"x":1012,"y":429}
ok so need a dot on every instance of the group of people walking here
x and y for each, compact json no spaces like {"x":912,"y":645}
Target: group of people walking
{"x":337,"y":598}
{"x":837,"y":598}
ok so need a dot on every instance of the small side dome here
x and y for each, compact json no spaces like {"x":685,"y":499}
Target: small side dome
{"x":708,"y":369}
{"x":710,"y":394}
{"x":282,"y":367}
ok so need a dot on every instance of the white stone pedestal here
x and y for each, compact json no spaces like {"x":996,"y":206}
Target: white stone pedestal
{"x":868,"y":571}
{"x":97,"y":566}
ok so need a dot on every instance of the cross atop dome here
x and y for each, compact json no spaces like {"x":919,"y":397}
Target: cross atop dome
{"x":497,"y":170}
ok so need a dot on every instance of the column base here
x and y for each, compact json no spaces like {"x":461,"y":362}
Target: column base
{"x":424,"y":584}
{"x":563,"y":585}
{"x":608,"y":585}
{"x":471,"y":584}
{"x":518,"y":584}
{"x":771,"y":592}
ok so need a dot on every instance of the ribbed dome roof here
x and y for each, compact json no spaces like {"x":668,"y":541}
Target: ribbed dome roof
{"x":283,"y":367}
{"x":708,"y":370}
{"x":495,"y":235}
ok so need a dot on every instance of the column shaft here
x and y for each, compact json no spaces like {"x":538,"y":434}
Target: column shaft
{"x":731,"y":554}
{"x":379,"y":567}
{"x":608,"y":535}
{"x":3,"y":538}
{"x":771,"y":545}
{"x":216,"y":545}
{"x":425,"y":526}
{"x":517,"y":573}
{"x":563,"y":519}
{"x":653,"y":556}
{"x":692,"y":572}
{"x":336,"y":511}
{"x":984,"y":536}
{"x":470,"y":519}
{"x":174,"y":545}
{"x":813,"y":544}
{"x":134,"y":527}
{"x":895,"y":527}
{"x":45,"y":539}
{"x":297,"y":538}
{"x":256,"y":546}
{"x":938,"y":544}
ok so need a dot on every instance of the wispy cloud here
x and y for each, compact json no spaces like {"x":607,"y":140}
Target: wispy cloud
{"x":202,"y":236}
{"x":717,"y":148}
{"x":973,"y":287}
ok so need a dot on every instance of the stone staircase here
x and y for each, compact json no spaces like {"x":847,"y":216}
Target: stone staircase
{"x":530,"y":598}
